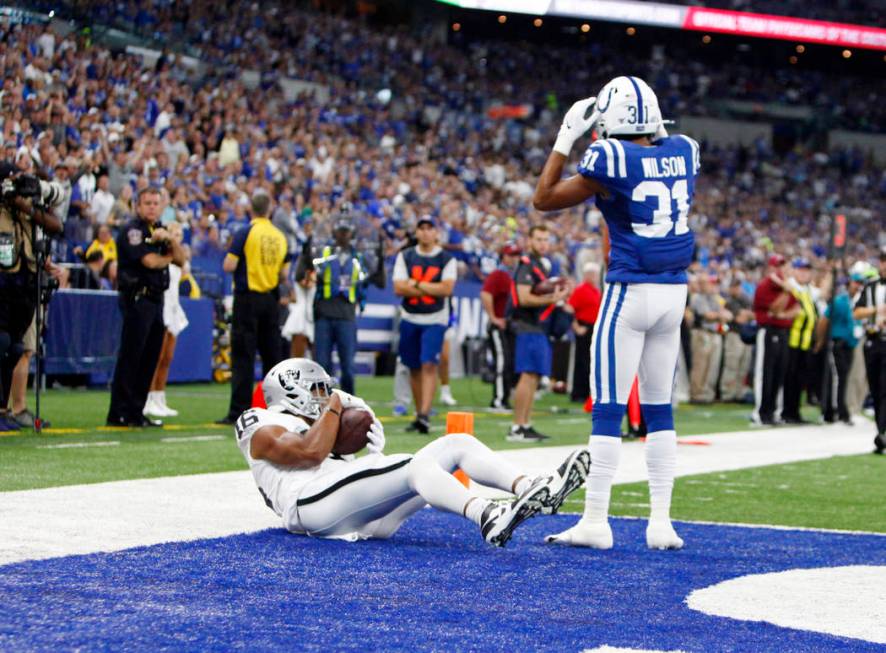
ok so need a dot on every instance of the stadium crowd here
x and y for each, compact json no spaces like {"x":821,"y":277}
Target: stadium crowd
{"x":401,"y":130}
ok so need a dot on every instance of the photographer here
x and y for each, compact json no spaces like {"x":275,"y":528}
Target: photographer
{"x":21,"y":214}
{"x":342,"y":275}
{"x":145,"y":251}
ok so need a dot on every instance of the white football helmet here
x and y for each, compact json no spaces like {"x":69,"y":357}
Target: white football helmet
{"x":298,"y":386}
{"x":627,"y":106}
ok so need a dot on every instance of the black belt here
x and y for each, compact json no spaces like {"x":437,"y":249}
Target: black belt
{"x":151,"y":294}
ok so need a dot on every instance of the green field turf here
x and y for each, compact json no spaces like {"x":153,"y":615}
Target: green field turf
{"x":78,"y":417}
{"x":832,"y":493}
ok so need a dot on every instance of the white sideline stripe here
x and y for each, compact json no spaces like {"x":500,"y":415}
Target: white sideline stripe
{"x":81,"y":519}
{"x":807,"y":529}
{"x":79,"y":445}
{"x":614,"y":649}
{"x":194,"y":438}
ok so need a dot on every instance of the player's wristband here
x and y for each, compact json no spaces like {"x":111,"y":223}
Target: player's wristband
{"x":563,"y":144}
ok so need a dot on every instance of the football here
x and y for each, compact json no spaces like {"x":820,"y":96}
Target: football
{"x":547,"y":286}
{"x":353,"y":429}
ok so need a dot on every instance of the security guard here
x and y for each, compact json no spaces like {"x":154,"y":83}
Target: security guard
{"x":258,"y":258}
{"x":144,"y":251}
{"x":800,"y":368}
{"x":341,"y":278}
{"x":871,"y":309}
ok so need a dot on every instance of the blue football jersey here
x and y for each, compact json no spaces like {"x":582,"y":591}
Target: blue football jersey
{"x":647,"y":206}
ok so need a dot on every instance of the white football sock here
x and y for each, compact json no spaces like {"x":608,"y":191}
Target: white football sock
{"x":474,"y":509}
{"x":522,"y":485}
{"x":661,"y":463}
{"x":605,"y":454}
{"x":432,"y":466}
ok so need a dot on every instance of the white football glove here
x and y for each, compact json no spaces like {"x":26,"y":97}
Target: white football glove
{"x":350,"y":401}
{"x":376,"y":437}
{"x":575,"y":125}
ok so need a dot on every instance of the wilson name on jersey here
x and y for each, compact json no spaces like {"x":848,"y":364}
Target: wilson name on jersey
{"x":647,"y":206}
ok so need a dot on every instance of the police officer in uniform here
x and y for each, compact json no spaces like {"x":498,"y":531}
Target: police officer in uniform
{"x":871,"y":309}
{"x":144,"y":251}
{"x":341,"y":277}
{"x":258,"y":257}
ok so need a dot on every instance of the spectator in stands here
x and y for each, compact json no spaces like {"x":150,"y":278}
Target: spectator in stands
{"x":175,"y":321}
{"x":711,"y":318}
{"x":105,"y":243}
{"x":585,"y":303}
{"x":532,"y":350}
{"x":799,"y":373}
{"x":102,"y":202}
{"x":494,"y":296}
{"x":775,"y":309}
{"x":258,"y":257}
{"x":737,"y":354}
{"x":424,"y":276}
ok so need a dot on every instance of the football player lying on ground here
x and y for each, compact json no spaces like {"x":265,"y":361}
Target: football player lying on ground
{"x":289,"y":448}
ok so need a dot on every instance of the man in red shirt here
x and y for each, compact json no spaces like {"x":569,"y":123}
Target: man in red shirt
{"x":494,"y":296}
{"x":775,"y":309}
{"x":585,"y":303}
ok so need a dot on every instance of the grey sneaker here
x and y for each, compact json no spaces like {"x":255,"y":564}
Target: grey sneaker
{"x":522,"y":434}
{"x":25,"y":419}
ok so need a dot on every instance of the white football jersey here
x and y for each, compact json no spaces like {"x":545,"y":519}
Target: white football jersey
{"x":279,"y":485}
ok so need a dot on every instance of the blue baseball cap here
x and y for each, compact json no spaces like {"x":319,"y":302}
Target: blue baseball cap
{"x":800,"y":263}
{"x":426,"y":219}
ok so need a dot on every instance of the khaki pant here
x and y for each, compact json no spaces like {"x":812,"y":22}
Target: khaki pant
{"x":736,"y":366}
{"x":858,"y":381}
{"x":707,"y":352}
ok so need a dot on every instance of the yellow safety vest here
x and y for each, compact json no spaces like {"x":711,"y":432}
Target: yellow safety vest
{"x":328,"y":280}
{"x":804,"y":324}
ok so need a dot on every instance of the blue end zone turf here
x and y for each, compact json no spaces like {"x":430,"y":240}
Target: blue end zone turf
{"x":435,"y":585}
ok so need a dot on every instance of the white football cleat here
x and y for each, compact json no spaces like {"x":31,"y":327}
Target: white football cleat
{"x":594,"y":535}
{"x":446,"y":398}
{"x":161,"y":402}
{"x":660,"y":534}
{"x":152,"y":408}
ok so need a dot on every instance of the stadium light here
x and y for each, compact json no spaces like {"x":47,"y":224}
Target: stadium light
{"x":706,"y":39}
{"x":585,"y":28}
{"x":52,"y":13}
{"x":631,"y":31}
{"x":847,"y":54}
{"x":456,"y":27}
{"x":537,"y":22}
{"x":801,"y":49}
{"x":502,"y":19}
{"x":792,"y":59}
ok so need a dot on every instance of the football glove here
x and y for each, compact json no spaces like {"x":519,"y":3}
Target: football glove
{"x":376,"y":437}
{"x":575,"y":125}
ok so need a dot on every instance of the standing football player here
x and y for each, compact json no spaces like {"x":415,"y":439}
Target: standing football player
{"x":288,"y":447}
{"x":644,"y":182}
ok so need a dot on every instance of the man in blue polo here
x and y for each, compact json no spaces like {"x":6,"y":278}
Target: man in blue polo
{"x":532,"y":350}
{"x":424,"y":276}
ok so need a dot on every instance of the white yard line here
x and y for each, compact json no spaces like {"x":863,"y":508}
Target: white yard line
{"x":80,"y":519}
{"x":80,"y":445}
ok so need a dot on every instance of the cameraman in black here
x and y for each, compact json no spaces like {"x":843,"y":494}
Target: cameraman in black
{"x":21,"y":212}
{"x":144,"y":251}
